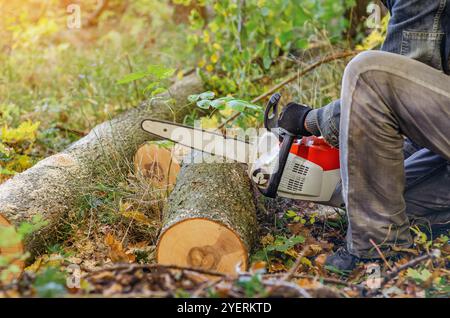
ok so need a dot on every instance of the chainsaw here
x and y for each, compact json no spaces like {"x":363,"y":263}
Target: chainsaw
{"x":280,"y":163}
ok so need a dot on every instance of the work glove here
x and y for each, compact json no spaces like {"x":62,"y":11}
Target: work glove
{"x":292,"y":119}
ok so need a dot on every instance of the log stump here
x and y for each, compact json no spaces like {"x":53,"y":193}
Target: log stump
{"x":210,"y":219}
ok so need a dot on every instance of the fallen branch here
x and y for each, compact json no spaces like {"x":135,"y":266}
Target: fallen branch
{"x":397,"y":270}
{"x":277,"y":284}
{"x":324,"y":279}
{"x":381,"y":254}
{"x":293,"y":270}
{"x":156,"y":266}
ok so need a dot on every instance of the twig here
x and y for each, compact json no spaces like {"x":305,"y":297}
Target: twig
{"x":293,"y":270}
{"x":73,"y":131}
{"x":206,"y":285}
{"x":394,"y":272}
{"x":157,"y":266}
{"x":290,"y":79}
{"x":324,"y":279}
{"x":276,"y":284}
{"x":381,"y":254}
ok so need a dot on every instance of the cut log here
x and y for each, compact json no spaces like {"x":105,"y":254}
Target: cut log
{"x":157,"y":165}
{"x":55,"y":185}
{"x":210,"y":219}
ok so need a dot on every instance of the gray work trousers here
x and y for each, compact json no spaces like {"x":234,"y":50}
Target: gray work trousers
{"x":387,"y":98}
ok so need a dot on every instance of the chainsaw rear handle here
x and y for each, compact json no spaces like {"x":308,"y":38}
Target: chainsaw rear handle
{"x":271,"y":112}
{"x":275,"y":178}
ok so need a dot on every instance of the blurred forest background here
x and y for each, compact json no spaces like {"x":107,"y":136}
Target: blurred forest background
{"x":66,"y":66}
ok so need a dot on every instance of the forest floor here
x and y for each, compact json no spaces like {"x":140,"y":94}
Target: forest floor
{"x":59,"y":85}
{"x":288,"y":262}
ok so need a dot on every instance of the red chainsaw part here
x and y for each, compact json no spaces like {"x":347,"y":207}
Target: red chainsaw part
{"x":316,"y":150}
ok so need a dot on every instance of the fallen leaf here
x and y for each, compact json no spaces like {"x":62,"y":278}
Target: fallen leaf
{"x":313,"y":250}
{"x":116,"y":250}
{"x":259,"y":266}
{"x":308,"y":283}
{"x":405,"y":250}
{"x":277,"y":267}
{"x":138,"y":217}
{"x":291,"y":252}
{"x":74,"y":260}
{"x":320,"y":260}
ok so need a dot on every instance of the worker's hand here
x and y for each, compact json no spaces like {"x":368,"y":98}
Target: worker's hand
{"x":292,"y":119}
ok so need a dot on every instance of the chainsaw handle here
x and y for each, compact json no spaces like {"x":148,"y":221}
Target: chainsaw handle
{"x":271,"y":112}
{"x":275,"y":178}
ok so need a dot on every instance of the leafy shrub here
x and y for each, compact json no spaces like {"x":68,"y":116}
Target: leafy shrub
{"x":245,"y":38}
{"x":15,"y":147}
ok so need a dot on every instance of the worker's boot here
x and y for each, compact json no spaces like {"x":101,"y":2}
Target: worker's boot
{"x":342,"y":260}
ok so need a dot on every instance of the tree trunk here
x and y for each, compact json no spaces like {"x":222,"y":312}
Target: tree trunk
{"x":55,"y":185}
{"x":210,"y":219}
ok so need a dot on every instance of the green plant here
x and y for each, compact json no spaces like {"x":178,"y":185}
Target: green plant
{"x":156,"y":73}
{"x":50,"y":283}
{"x":245,"y":39}
{"x":15,"y":147}
{"x":418,"y":275}
{"x":297,"y":218}
{"x":278,"y":247}
{"x":223,"y":107}
{"x":252,"y":285}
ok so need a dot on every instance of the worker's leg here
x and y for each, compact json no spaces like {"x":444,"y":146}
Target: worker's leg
{"x":427,"y":191}
{"x":415,"y":171}
{"x":386,"y":96}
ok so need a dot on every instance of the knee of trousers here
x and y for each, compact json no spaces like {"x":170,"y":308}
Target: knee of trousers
{"x":362,"y":75}
{"x":368,"y":61}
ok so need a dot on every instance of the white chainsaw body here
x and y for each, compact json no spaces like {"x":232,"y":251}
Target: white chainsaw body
{"x":302,"y":179}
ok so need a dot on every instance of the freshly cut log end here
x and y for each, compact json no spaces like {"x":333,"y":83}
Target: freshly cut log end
{"x":157,"y":164}
{"x":11,"y":252}
{"x":210,"y":218}
{"x":202,"y":243}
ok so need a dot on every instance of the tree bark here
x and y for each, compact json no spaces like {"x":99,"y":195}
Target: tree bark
{"x":210,"y":220}
{"x":55,"y":185}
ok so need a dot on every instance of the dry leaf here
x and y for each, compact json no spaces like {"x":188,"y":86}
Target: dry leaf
{"x":308,"y":283}
{"x":320,"y":260}
{"x":116,"y":251}
{"x":138,"y":217}
{"x":313,"y":250}
{"x":258,"y":266}
{"x":291,"y":252}
{"x":277,"y":267}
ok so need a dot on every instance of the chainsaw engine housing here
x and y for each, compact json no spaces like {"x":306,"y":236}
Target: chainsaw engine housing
{"x":311,"y":173}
